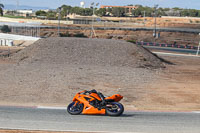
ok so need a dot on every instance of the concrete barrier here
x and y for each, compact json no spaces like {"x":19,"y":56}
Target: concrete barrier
{"x":6,"y":42}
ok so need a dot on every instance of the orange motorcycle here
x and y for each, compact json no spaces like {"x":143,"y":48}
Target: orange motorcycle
{"x":93,"y":102}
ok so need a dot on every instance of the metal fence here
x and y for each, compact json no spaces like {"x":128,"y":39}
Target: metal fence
{"x":26,"y":30}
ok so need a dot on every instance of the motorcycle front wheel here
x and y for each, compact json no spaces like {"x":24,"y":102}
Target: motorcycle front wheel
{"x":114,"y":109}
{"x":75,"y":108}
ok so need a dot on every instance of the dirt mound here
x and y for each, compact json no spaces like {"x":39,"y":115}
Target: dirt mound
{"x":81,"y":51}
{"x":52,"y":70}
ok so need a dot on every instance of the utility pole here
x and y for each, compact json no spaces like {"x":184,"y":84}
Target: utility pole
{"x":92,"y":28}
{"x":198,"y":48}
{"x":155,"y":23}
{"x":59,"y":17}
{"x":17,"y":6}
{"x":144,"y":17}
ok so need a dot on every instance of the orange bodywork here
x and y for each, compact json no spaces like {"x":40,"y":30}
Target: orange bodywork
{"x":89,"y":109}
{"x":116,"y":97}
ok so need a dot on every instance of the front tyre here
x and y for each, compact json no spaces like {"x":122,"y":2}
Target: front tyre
{"x":114,"y":109}
{"x":75,"y":108}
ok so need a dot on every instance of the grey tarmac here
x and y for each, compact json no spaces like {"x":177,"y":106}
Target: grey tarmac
{"x":130,"y":121}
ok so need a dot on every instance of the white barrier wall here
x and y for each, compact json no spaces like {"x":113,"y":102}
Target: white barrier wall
{"x":17,"y":37}
{"x":33,"y":21}
{"x":8,"y":39}
{"x":5,"y":42}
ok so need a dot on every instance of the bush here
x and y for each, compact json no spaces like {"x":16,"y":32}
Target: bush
{"x":80,"y":35}
{"x":5,"y":29}
{"x":132,"y":41}
{"x":67,"y":34}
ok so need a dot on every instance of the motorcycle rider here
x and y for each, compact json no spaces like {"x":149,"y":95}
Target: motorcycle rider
{"x":99,"y":94}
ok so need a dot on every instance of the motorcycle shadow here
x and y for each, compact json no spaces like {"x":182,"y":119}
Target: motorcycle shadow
{"x":127,"y":115}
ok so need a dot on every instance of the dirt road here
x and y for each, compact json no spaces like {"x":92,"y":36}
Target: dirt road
{"x":178,"y":87}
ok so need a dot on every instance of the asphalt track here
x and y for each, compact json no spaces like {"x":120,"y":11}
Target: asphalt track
{"x":135,"y":122}
{"x":174,"y":50}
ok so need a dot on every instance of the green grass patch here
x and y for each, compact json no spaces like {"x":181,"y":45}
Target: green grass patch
{"x":10,"y":16}
{"x":140,"y":19}
{"x":132,"y":41}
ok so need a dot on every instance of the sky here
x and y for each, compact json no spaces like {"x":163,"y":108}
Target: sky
{"x":189,"y":4}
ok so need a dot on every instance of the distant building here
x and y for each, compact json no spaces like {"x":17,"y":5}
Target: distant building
{"x":9,"y":12}
{"x":25,"y":13}
{"x":46,"y":10}
{"x":130,"y":8}
{"x":5,"y":11}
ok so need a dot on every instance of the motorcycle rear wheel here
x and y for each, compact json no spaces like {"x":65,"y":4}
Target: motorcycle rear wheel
{"x":115,"y":109}
{"x":75,"y":108}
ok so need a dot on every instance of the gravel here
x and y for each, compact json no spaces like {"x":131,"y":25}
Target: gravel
{"x":52,"y":70}
{"x":81,"y":51}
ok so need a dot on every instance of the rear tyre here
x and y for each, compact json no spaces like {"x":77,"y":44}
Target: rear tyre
{"x":114,"y":109}
{"x":75,"y":108}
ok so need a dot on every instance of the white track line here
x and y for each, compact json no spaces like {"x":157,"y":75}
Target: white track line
{"x":49,"y":107}
{"x":198,"y":112}
{"x":52,"y":130}
{"x":163,"y":53}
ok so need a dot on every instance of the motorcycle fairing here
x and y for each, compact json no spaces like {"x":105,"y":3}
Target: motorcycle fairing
{"x":88,"y":108}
